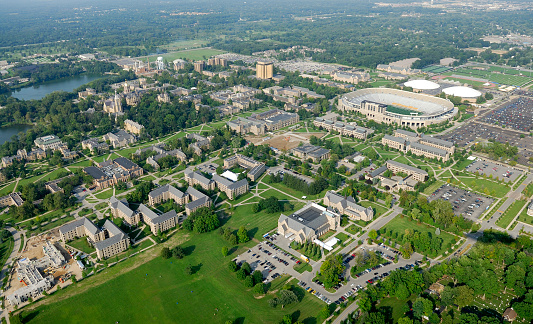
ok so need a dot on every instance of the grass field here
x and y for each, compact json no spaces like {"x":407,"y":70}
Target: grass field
{"x":257,"y":224}
{"x":396,"y":305}
{"x":510,"y":77}
{"x":429,"y":190}
{"x":105,"y":194}
{"x":275,"y":193}
{"x":7,"y":189}
{"x":84,"y":163}
{"x":193,"y":54}
{"x":82,"y":245}
{"x":43,"y":177}
{"x":353,"y":229}
{"x":461,"y":166}
{"x":495,"y":189}
{"x":173,"y":294}
{"x":399,"y":225}
{"x":510,"y":213}
{"x":184,"y":44}
{"x":5,"y":250}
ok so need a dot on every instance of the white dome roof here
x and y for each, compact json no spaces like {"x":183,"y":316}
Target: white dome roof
{"x":422,"y":85}
{"x":463,"y":92}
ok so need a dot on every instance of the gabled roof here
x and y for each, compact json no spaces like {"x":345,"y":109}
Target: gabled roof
{"x":84,"y":221}
{"x":159,"y":191}
{"x":147,"y":212}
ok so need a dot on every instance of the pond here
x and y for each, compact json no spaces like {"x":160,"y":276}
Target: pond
{"x":7,"y":132}
{"x":68,"y":84}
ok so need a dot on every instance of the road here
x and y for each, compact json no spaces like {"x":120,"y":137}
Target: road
{"x":12,"y":257}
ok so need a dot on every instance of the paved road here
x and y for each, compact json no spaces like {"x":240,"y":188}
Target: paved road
{"x":10,"y":259}
{"x":512,"y":196}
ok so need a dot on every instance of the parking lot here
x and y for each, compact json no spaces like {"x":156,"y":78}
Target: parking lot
{"x":269,"y":259}
{"x":464,"y":202}
{"x":467,"y":134}
{"x":516,"y":114}
{"x":497,"y":171}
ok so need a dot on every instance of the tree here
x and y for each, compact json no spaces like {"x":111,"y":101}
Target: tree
{"x":287,"y":297}
{"x":241,"y":274}
{"x":447,"y":296}
{"x":242,"y":234}
{"x":165,"y":253}
{"x":464,"y":296}
{"x":233,"y":266}
{"x":248,"y":282}
{"x":225,"y":251}
{"x":365,"y":301}
{"x":189,"y":270}
{"x":246,"y":268}
{"x":178,"y":252}
{"x":325,"y":312}
{"x":331,"y":269}
{"x":257,"y":276}
{"x":373,"y":234}
{"x":405,"y":320}
{"x":259,"y":288}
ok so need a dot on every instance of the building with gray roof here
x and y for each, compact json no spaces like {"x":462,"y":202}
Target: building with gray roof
{"x":308,"y":151}
{"x":347,"y":206}
{"x":195,"y":178}
{"x":115,"y":242}
{"x":308,"y":223}
{"x":230,"y":188}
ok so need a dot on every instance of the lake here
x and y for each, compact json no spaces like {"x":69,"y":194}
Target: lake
{"x":65,"y":84}
{"x":7,"y":132}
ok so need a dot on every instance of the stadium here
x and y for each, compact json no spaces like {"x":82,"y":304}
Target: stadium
{"x":396,"y":106}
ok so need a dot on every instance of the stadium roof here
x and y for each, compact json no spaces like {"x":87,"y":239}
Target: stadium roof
{"x":463,"y":92}
{"x":422,"y":85}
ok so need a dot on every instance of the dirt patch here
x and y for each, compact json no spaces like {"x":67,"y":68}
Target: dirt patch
{"x":283,"y":142}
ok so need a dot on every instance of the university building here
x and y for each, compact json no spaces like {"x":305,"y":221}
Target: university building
{"x":108,"y":240}
{"x":308,"y":223}
{"x":348,"y":207}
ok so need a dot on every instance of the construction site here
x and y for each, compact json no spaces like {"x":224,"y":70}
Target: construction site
{"x":42,"y":265}
{"x":285,"y":142}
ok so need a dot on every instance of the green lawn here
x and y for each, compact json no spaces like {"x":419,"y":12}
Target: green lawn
{"x":194,"y":54}
{"x":461,"y":166}
{"x":161,"y":292}
{"x":7,"y":189}
{"x":399,"y":225}
{"x":108,"y":193}
{"x":242,"y":198}
{"x":403,"y":160}
{"x":148,"y":178}
{"x":51,"y":225}
{"x":302,"y":267}
{"x":5,"y":250}
{"x":429,"y":190}
{"x":275,"y":193}
{"x":43,"y":177}
{"x":482,"y":185}
{"x":84,"y":163}
{"x":257,"y":224}
{"x":353,"y":229}
{"x":296,"y":193}
{"x":342,"y":237}
{"x":82,"y":245}
{"x":510,"y":213}
{"x":396,"y":305}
